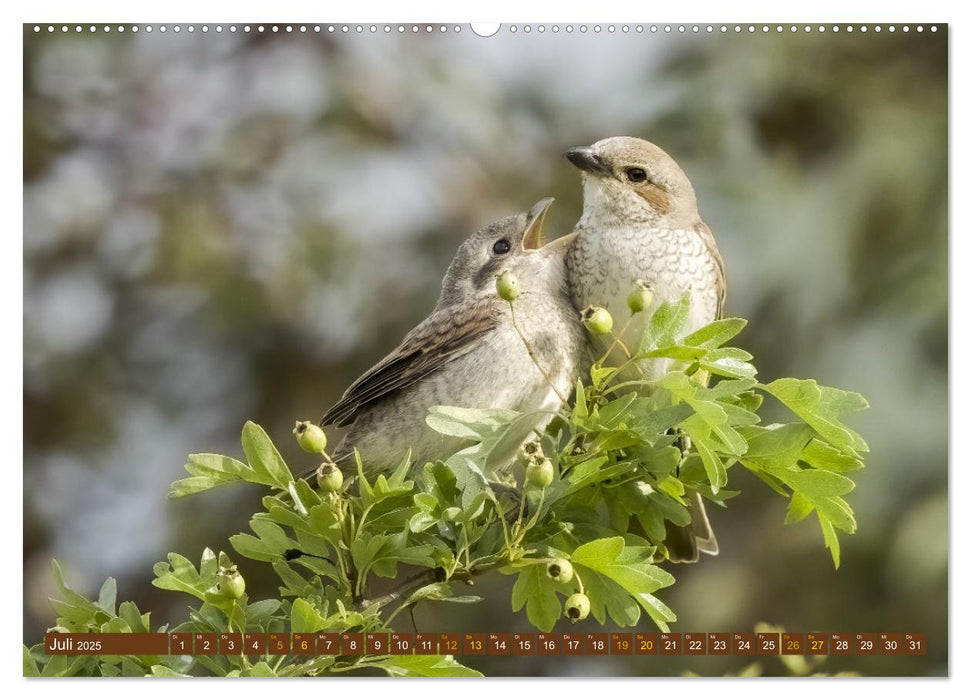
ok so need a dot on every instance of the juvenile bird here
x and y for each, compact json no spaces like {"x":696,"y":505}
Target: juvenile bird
{"x":468,"y":352}
{"x":640,"y":223}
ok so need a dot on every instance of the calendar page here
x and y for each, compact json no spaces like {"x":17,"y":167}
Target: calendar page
{"x":524,"y":349}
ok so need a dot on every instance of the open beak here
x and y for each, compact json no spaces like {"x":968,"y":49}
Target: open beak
{"x":558,"y":245}
{"x":533,"y":236}
{"x":586,"y":160}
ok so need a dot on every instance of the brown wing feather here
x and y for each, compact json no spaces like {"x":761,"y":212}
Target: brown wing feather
{"x":437,"y":340}
{"x":712,"y":246}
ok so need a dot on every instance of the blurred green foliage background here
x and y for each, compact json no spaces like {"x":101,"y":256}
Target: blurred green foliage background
{"x":226,"y":226}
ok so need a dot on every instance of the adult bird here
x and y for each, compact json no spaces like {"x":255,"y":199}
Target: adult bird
{"x":640,"y":224}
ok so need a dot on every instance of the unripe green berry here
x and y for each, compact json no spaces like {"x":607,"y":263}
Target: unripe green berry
{"x":539,"y":472}
{"x":531,"y":449}
{"x":310,"y":436}
{"x":507,"y":285}
{"x":640,"y":297}
{"x":560,"y":570}
{"x":231,"y":582}
{"x":597,"y":320}
{"x":329,"y":477}
{"x":577,"y":607}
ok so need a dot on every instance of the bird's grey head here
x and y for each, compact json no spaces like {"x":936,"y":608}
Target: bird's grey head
{"x":628,"y":180}
{"x":513,"y":244}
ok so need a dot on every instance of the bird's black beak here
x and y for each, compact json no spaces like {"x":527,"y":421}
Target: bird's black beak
{"x":589,"y":162}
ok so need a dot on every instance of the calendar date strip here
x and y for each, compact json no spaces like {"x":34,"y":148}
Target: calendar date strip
{"x":490,"y":643}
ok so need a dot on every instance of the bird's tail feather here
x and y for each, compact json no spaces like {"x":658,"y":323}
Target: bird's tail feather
{"x":685,"y":543}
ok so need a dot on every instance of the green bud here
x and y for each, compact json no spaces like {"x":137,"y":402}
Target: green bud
{"x":577,"y":607}
{"x":640,"y":298}
{"x":597,"y":320}
{"x":310,"y":436}
{"x":329,"y":477}
{"x":539,"y":472}
{"x":231,"y":582}
{"x":560,"y":570}
{"x":507,"y":285}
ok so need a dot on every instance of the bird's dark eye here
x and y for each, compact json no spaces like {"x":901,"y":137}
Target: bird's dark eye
{"x":501,"y":247}
{"x":636,"y":174}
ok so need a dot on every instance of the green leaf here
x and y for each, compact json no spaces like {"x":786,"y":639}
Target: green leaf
{"x":599,"y":553}
{"x":665,"y":325}
{"x":74,"y":609}
{"x":115,"y":625}
{"x":497,"y":435}
{"x":579,"y":405}
{"x":439,"y":591}
{"x":608,"y":598}
{"x":270,"y":543}
{"x":822,"y":407}
{"x":136,"y":622}
{"x":107,"y":596}
{"x":659,"y":612}
{"x":724,"y":362}
{"x":472,"y":424}
{"x":599,"y":375}
{"x":726,"y":388}
{"x":261,"y":670}
{"x":830,"y":538}
{"x":537,"y":591}
{"x":160,"y":671}
{"x":179,"y":574}
{"x":717,"y":333}
{"x":383,"y":553}
{"x":209,"y":471}
{"x":258,"y":614}
{"x":685,"y":353}
{"x":799,"y":508}
{"x":738,"y":415}
{"x":651,"y":507}
{"x":425,"y":666}
{"x":651,"y":421}
{"x":66,"y":666}
{"x":823,"y":456}
{"x":441,"y":483}
{"x":823,"y":489}
{"x":615,"y":412}
{"x":584,"y":475}
{"x":324,"y":523}
{"x":715,"y":414}
{"x":776,"y":446}
{"x":295,"y":585}
{"x":304,"y":617}
{"x":816,"y":483}
{"x":263,"y":457}
{"x":194,"y":484}
{"x":266,"y":467}
{"x":632,"y":570}
{"x":714,"y":468}
{"x":30,"y":666}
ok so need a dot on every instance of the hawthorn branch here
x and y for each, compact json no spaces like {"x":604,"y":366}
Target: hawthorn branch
{"x":418,"y":581}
